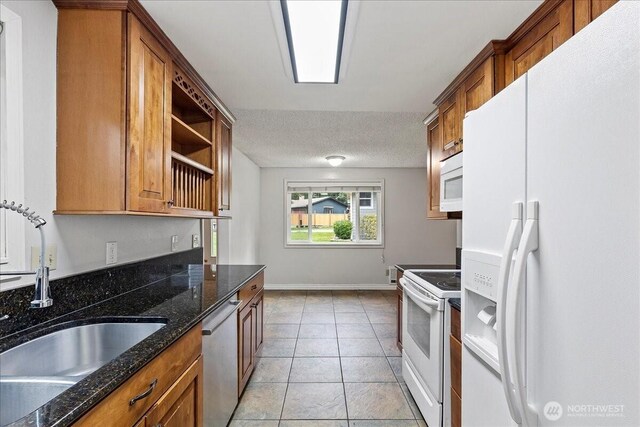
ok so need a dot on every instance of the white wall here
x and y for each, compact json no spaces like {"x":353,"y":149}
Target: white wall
{"x":238,"y":237}
{"x":409,"y":236}
{"x":80,"y":239}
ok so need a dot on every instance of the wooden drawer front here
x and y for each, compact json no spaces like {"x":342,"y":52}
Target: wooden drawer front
{"x":455,"y":324}
{"x":164,"y":370}
{"x":456,"y":364}
{"x":456,"y":409}
{"x":251,"y":289}
{"x":181,"y":405}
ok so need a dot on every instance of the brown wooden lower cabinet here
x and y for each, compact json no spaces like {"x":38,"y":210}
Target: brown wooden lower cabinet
{"x":250,"y":328}
{"x":246,"y":355}
{"x":399,"y":293}
{"x":456,"y":409}
{"x":455,"y":358}
{"x":181,"y":405}
{"x":167,"y":391}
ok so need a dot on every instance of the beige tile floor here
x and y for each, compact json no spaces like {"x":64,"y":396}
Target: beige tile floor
{"x":329,"y":359}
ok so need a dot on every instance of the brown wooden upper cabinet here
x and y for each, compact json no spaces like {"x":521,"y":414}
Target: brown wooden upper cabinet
{"x":224,"y":149}
{"x":434,"y":144}
{"x":139,"y":131}
{"x":450,"y":123}
{"x":531,"y":43}
{"x":588,"y":10}
{"x":497,"y":65}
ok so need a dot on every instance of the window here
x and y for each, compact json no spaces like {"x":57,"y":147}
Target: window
{"x":12,"y":226}
{"x":334,"y":213}
{"x":365,"y":200}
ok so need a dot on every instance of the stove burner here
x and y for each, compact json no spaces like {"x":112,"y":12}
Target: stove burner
{"x":447,"y":281}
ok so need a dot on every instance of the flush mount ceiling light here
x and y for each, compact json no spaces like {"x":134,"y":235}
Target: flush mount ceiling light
{"x":335,"y":160}
{"x":315,"y":34}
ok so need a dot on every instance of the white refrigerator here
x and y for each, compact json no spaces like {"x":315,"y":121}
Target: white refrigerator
{"x":551,"y":238}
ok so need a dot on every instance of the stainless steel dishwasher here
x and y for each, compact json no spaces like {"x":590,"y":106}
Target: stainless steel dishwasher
{"x":220,"y":353}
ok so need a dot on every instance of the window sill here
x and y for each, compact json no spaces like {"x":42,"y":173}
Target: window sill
{"x":376,"y":245}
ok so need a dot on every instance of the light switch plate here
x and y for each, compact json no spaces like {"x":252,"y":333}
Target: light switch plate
{"x":195,"y":241}
{"x":50,"y":255}
{"x":112,"y":253}
{"x":174,"y":243}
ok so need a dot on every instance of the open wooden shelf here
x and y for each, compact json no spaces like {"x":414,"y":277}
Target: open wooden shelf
{"x":182,"y":133}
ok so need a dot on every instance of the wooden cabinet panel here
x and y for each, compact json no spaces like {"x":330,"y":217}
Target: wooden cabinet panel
{"x":456,"y":364}
{"x":90,"y":153}
{"x":246,"y":356}
{"x":149,"y":145}
{"x":182,"y":404}
{"x":258,"y":306}
{"x":434,"y":146}
{"x":224,"y":164}
{"x":450,"y":122}
{"x":549,"y":33}
{"x":456,"y":409}
{"x":455,"y":324}
{"x":399,"y":297}
{"x":586,"y":11}
{"x":157,"y":376}
{"x":478,"y":88}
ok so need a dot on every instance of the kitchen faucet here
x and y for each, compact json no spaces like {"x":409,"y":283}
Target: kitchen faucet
{"x":43,"y":293}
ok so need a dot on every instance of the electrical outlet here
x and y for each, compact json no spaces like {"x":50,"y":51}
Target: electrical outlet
{"x":112,"y":252}
{"x":195,"y":241}
{"x":386,"y":271}
{"x":174,"y":243}
{"x":50,"y":256}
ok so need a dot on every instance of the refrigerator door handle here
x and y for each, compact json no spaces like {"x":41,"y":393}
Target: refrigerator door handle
{"x":528,"y":244}
{"x":510,"y":246}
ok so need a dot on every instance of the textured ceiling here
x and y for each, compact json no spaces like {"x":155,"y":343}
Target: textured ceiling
{"x":399,"y":56}
{"x":304,"y":138}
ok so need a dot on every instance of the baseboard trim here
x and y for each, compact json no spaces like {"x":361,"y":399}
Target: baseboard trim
{"x":327,"y":287}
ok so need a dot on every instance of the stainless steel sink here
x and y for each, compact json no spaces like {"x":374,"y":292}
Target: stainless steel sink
{"x":20,"y":396}
{"x":35,"y":372}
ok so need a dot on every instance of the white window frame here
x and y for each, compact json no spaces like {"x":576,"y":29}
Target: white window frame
{"x":12,"y":226}
{"x":317,"y":186}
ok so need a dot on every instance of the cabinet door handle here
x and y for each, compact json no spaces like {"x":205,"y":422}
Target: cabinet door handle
{"x":450,"y":145}
{"x":170,"y":202}
{"x":254,"y":305}
{"x":145,"y":393}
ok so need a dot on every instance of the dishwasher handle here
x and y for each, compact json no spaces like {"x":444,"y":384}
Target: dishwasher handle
{"x":211,"y":323}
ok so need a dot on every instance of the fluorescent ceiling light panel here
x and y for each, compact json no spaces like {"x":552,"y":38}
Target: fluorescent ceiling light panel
{"x":315,"y":31}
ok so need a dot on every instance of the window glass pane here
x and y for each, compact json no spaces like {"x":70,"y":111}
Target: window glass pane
{"x":369,"y":218}
{"x":299,"y":204}
{"x":327,"y":210}
{"x":419,"y":326}
{"x":365,"y":200}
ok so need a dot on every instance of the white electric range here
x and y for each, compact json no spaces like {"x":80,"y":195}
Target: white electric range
{"x":425,"y":330}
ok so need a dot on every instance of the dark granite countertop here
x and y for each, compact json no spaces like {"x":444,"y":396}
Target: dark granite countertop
{"x":181,"y":300}
{"x":456,"y":303}
{"x":403,"y":267}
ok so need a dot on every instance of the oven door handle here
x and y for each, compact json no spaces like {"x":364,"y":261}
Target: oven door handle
{"x":409,"y":289}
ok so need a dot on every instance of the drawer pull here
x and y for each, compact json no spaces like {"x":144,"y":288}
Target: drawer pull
{"x":254,"y":287}
{"x":144,"y":394}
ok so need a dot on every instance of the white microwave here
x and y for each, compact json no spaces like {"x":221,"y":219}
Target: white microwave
{"x":451,"y":184}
